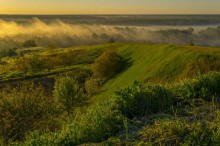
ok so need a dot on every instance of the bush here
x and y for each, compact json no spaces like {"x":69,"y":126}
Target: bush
{"x":68,"y":58}
{"x":107,"y":65}
{"x":68,"y":93}
{"x":181,"y":132}
{"x":80,"y":76}
{"x":25,"y":109}
{"x":98,"y":123}
{"x":32,"y":63}
{"x":205,"y":87}
{"x":92,"y":86}
{"x":138,"y":99}
{"x":35,"y":63}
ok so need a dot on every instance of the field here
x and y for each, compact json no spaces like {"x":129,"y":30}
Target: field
{"x":110,"y":94}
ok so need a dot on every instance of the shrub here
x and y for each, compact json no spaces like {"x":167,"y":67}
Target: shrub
{"x":68,"y":58}
{"x":97,"y":124}
{"x":100,"y":122}
{"x":25,"y":109}
{"x":181,"y":132}
{"x":205,"y":87}
{"x":138,"y":99}
{"x":107,"y":65}
{"x":74,"y":57}
{"x":80,"y":76}
{"x":92,"y":85}
{"x":68,"y":93}
{"x":35,"y":63}
{"x":32,"y":63}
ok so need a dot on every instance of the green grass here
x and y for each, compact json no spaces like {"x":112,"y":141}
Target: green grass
{"x":145,"y":62}
{"x":161,"y":63}
{"x":17,"y":76}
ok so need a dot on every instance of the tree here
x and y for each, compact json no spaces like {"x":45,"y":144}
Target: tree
{"x":68,"y":93}
{"x":35,"y":63}
{"x":92,"y":86}
{"x":32,"y":63}
{"x":107,"y":65}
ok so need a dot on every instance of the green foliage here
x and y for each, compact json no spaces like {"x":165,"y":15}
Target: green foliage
{"x":100,"y":122}
{"x":51,"y":62}
{"x":196,"y":124}
{"x":35,"y":63}
{"x":29,"y":43}
{"x":32,"y":63}
{"x":93,"y":85}
{"x":52,"y":48}
{"x":144,"y":102}
{"x":74,"y":57}
{"x":107,"y":65}
{"x":25,"y":109}
{"x":82,"y":75}
{"x":21,"y":53}
{"x":205,"y":87}
{"x":181,"y":132}
{"x":192,"y":125}
{"x":67,"y":58}
{"x":97,"y":124}
{"x":202,"y":65}
{"x":68,"y":93}
{"x":7,"y":53}
{"x":138,"y":99}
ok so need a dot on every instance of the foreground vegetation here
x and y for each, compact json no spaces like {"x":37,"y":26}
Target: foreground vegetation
{"x":126,"y":94}
{"x":151,"y":114}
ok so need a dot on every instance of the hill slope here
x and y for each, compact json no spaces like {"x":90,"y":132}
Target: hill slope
{"x":161,"y":63}
{"x":173,"y":106}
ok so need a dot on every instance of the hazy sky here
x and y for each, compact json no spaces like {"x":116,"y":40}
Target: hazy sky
{"x":109,"y":6}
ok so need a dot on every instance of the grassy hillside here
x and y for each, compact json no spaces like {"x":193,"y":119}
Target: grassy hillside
{"x":162,"y":63}
{"x":163,"y":94}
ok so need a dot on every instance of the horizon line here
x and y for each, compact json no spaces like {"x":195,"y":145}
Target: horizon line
{"x":114,"y":14}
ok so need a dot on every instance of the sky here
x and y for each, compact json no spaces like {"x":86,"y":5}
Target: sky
{"x":109,"y":6}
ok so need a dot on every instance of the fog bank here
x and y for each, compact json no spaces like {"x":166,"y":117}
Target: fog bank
{"x":62,"y":34}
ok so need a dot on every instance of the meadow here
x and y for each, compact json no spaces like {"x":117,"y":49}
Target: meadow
{"x":110,"y":94}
